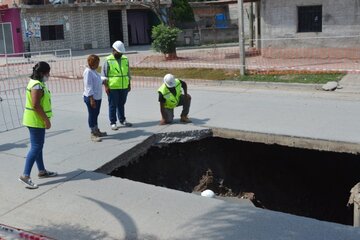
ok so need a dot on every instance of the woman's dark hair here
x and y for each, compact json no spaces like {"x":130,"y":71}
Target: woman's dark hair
{"x":39,"y":70}
{"x":93,"y":60}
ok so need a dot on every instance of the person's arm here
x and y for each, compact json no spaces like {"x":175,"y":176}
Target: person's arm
{"x":104,"y":74}
{"x":129,"y":76}
{"x":36,"y":95}
{"x":184,"y":87}
{"x":89,"y":87}
{"x":163,"y":114}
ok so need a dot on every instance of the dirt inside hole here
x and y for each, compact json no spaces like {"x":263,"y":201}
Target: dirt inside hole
{"x":303,"y":182}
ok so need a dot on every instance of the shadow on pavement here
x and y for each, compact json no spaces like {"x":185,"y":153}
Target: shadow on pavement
{"x":120,"y":135}
{"x":75,"y":175}
{"x":67,"y":231}
{"x":8,"y":146}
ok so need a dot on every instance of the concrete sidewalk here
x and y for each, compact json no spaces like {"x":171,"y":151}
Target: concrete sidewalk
{"x":350,"y":83}
{"x":82,"y":204}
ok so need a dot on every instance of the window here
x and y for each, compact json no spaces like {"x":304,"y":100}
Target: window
{"x":310,"y":19}
{"x":52,"y":32}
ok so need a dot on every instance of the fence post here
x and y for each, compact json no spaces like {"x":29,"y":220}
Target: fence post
{"x":241,"y":37}
{"x":72,"y":64}
{"x":354,"y":199}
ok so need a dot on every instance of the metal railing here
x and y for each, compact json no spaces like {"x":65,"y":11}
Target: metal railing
{"x":15,"y":68}
{"x":11,"y":109}
{"x":305,"y":55}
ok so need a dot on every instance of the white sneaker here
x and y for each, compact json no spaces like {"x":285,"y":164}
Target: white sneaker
{"x":114,"y":127}
{"x":28,"y":183}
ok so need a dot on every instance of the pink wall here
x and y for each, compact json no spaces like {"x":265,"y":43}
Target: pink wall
{"x":13,"y":15}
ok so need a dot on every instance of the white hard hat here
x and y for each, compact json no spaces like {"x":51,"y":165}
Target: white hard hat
{"x":119,"y":46}
{"x":169,"y":80}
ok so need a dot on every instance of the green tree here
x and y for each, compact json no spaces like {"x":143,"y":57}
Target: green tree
{"x":181,"y":11}
{"x":164,"y":40}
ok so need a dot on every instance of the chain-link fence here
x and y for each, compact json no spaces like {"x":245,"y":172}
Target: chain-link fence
{"x":282,"y":55}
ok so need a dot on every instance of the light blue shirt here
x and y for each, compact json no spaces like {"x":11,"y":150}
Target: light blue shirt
{"x":92,"y":84}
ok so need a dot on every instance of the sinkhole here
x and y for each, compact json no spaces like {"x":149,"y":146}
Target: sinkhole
{"x":298,"y":181}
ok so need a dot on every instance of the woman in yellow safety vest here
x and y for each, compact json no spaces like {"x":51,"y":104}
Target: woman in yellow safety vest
{"x":36,"y":117}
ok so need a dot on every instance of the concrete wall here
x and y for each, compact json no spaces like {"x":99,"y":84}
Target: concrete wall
{"x":83,"y":27}
{"x":234,"y":16}
{"x":208,"y":35}
{"x":339,"y":18}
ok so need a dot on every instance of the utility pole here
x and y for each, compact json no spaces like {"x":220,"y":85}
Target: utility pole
{"x":241,"y":37}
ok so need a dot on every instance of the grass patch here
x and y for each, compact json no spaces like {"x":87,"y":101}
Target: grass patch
{"x":319,"y":78}
{"x":221,"y":74}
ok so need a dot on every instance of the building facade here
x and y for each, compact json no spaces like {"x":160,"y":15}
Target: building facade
{"x":10,"y":30}
{"x":59,"y":24}
{"x":326,"y":28}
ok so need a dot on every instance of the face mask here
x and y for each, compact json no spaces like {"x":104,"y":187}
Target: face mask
{"x":45,"y":78}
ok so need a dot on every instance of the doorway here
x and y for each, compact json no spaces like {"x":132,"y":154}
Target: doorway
{"x":140,"y":23}
{"x":115,"y":26}
{"x":6,"y":39}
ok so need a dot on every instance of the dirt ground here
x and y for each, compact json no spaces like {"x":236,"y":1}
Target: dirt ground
{"x":297,"y":181}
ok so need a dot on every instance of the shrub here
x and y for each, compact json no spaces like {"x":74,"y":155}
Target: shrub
{"x":164,"y":39}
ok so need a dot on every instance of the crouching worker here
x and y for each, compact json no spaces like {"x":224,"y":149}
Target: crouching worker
{"x":170,"y":97}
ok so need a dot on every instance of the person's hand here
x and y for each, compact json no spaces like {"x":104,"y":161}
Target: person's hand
{"x":104,"y":80}
{"x":107,"y":90}
{"x":92,"y":103}
{"x":188,"y":96}
{"x":162,"y":122}
{"x":129,"y":88}
{"x":47,"y":124}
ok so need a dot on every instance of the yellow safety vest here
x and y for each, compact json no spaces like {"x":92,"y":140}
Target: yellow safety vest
{"x":118,"y":75}
{"x":171,"y":101}
{"x":31,"y":117}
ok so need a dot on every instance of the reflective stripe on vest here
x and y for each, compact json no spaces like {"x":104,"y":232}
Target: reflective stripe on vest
{"x":171,"y":101}
{"x":31,"y":117}
{"x":118,"y":75}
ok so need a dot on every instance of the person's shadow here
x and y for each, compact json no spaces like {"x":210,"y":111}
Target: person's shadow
{"x":8,"y":146}
{"x":76,"y":175}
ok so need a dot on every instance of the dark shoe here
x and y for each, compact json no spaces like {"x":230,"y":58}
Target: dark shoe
{"x":47,"y":174}
{"x":95,"y":138}
{"x":99,"y":133}
{"x":126,"y":124}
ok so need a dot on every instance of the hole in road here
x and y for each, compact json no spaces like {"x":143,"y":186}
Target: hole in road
{"x":303,"y":182}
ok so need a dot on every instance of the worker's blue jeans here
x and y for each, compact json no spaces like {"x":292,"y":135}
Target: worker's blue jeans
{"x":117,"y":99}
{"x":35,"y":154}
{"x":93,"y":113}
